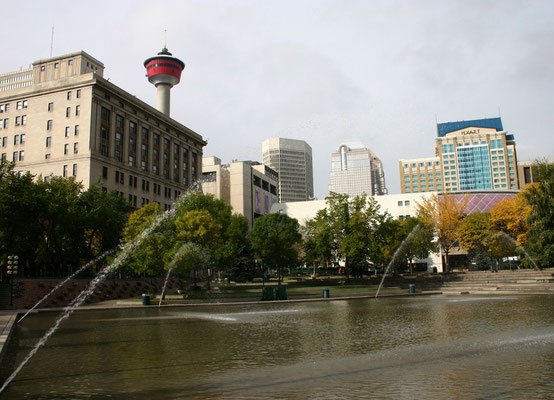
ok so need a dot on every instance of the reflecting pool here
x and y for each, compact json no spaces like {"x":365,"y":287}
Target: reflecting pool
{"x":435,"y":347}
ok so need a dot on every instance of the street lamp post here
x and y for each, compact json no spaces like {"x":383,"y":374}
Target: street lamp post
{"x":13,"y":264}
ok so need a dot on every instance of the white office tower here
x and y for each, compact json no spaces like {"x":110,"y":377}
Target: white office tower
{"x":355,"y":169}
{"x":292,"y":159}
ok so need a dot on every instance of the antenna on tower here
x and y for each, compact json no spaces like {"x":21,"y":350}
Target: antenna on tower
{"x":165,"y":38}
{"x":52,"y":41}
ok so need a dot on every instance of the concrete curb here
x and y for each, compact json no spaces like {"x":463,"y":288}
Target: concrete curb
{"x":138,"y":304}
{"x":6,"y":331}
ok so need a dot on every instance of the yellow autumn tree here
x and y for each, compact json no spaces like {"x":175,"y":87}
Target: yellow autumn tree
{"x":511,"y":216}
{"x":443,"y":214}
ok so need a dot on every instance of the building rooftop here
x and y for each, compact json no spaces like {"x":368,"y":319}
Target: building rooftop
{"x":447,"y":127}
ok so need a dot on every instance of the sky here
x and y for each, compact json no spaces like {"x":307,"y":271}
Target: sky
{"x":382,"y":72}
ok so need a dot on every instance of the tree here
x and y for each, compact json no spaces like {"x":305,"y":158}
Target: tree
{"x":21,"y":206}
{"x":511,"y":216}
{"x":235,"y":255}
{"x":540,"y":244}
{"x":52,"y":224}
{"x":190,"y":257}
{"x":317,"y":245}
{"x":104,"y":218}
{"x":139,"y":220}
{"x":417,"y":243}
{"x":198,"y":226}
{"x":350,"y":230}
{"x":274,"y":238}
{"x":199,"y":219}
{"x":475,"y":235}
{"x":443,"y":214}
{"x":63,"y":221}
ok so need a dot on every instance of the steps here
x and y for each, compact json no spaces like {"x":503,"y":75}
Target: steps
{"x":502,"y":282}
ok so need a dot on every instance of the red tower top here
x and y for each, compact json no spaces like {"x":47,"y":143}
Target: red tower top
{"x":164,"y":69}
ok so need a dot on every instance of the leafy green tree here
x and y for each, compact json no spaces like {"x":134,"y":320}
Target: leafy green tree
{"x":511,"y":216}
{"x":274,"y":238}
{"x":412,"y":240}
{"x":139,"y":220}
{"x":104,"y":218}
{"x":540,"y":196}
{"x":197,"y":201}
{"x":52,"y":225}
{"x":317,"y":244}
{"x":475,"y":235}
{"x":356,"y":231}
{"x":443,"y":214}
{"x":190,"y":258}
{"x":63,"y":222}
{"x":21,"y":206}
{"x":198,"y":226}
{"x":235,"y":254}
{"x":200,"y":219}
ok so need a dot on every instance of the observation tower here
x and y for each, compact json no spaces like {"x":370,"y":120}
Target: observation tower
{"x":164,"y":71}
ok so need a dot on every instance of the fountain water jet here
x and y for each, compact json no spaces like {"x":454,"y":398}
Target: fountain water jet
{"x":59,"y":285}
{"x":195,"y":186}
{"x":171,"y":265}
{"x":416,"y":228}
{"x":518,"y":246}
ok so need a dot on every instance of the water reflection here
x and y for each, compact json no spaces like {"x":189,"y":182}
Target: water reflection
{"x":434,"y":347}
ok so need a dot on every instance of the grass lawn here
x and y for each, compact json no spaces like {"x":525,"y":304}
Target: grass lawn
{"x":297,"y":288}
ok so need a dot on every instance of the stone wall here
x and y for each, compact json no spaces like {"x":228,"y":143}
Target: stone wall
{"x":27,"y":292}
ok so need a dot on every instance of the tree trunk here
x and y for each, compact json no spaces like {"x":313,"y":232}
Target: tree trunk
{"x":446,"y":265}
{"x":347,"y":268}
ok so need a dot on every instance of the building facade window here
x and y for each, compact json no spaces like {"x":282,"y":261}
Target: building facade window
{"x":105,"y":132}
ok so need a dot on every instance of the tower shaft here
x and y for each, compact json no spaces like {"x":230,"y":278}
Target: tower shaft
{"x":164,"y":92}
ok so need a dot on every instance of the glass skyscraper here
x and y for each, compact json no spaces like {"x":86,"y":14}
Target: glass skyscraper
{"x":292,"y":159}
{"x":473,"y":155}
{"x":355,"y":169}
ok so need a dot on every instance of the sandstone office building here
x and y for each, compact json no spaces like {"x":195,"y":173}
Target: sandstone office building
{"x":61,"y":117}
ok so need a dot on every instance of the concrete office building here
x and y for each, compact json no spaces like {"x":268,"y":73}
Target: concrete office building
{"x":355,"y":170}
{"x":473,"y":155}
{"x":526,"y":174}
{"x":292,"y":159}
{"x":420,"y":175}
{"x":61,"y":117}
{"x":247,"y":186}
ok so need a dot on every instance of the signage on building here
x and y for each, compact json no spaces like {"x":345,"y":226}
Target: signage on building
{"x":470,"y":132}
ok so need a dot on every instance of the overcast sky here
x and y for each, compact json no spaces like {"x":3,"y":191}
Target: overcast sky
{"x":322,"y":71}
